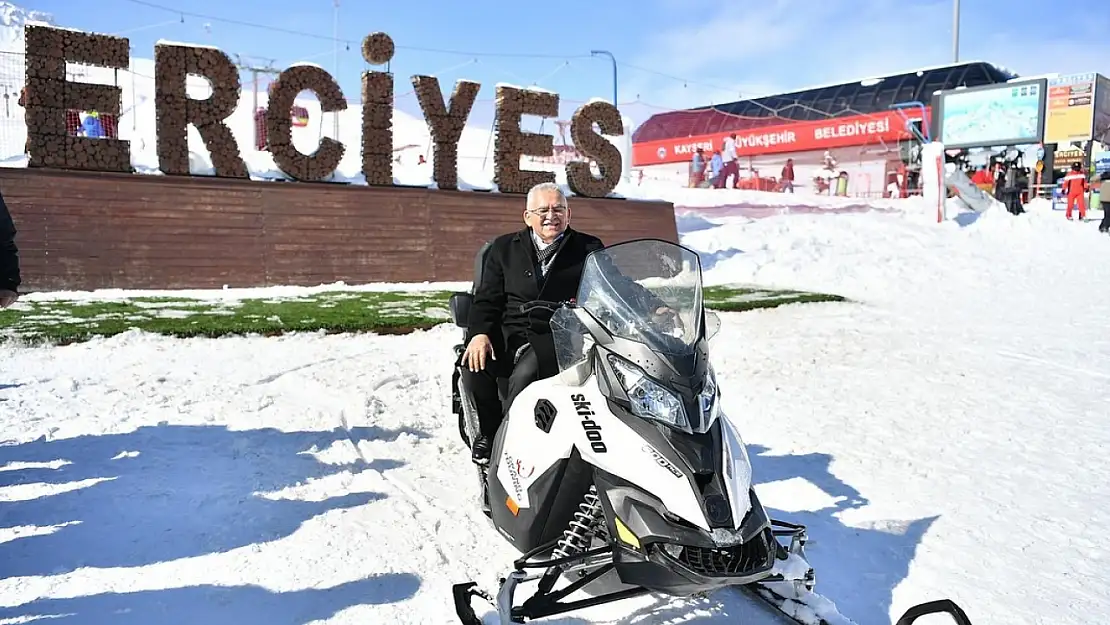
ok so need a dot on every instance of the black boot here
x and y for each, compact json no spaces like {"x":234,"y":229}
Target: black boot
{"x":481,"y":449}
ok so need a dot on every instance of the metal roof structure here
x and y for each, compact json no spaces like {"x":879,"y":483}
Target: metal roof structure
{"x":870,"y":95}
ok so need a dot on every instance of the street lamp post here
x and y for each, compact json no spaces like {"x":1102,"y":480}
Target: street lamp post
{"x":614,"y":60}
{"x":955,"y":31}
{"x":335,"y":51}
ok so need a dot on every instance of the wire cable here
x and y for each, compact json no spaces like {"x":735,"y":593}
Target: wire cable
{"x":301,"y":33}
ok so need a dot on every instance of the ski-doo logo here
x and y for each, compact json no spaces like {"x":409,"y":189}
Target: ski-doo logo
{"x":661,"y":461}
{"x":593,"y":430}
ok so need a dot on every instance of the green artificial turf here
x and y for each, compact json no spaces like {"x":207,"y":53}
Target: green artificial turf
{"x":739,"y":298}
{"x":66,"y":321}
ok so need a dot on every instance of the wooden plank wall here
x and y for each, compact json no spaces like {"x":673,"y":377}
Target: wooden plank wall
{"x":85,"y":230}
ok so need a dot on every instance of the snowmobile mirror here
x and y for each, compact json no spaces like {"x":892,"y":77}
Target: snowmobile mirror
{"x":712,"y":325}
{"x":940,"y":606}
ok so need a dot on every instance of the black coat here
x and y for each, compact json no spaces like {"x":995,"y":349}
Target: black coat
{"x":9,"y":253}
{"x":511,"y":277}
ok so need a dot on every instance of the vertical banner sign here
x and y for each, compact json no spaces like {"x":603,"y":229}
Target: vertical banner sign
{"x":1070,"y":109}
{"x":1101,"y":162}
{"x":1101,"y":131}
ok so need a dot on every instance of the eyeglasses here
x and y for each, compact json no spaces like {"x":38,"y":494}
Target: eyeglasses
{"x":557,"y":209}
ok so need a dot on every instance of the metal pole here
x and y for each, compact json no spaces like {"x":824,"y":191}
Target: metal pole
{"x":254,"y":111}
{"x":955,"y":31}
{"x":335,"y":44}
{"x":614,"y":61}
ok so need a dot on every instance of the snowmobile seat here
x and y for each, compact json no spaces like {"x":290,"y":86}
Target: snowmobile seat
{"x":459,"y":306}
{"x":459,"y":302}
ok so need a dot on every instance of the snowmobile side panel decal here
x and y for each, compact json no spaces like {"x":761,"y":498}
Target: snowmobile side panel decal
{"x":531,"y":451}
{"x":554,"y":496}
{"x":662,"y":461}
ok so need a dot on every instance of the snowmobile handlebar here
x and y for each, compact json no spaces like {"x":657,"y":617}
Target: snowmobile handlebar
{"x":541,"y":304}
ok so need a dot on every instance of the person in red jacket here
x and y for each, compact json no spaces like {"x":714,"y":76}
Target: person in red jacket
{"x":1075,"y":186}
{"x":788,"y":176}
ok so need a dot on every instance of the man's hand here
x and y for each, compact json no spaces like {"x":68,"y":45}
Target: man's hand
{"x":670,"y":315}
{"x":7,"y":298}
{"x":666,"y":311}
{"x":476,"y":351}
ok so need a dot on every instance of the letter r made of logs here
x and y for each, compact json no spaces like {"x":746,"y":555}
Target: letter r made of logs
{"x":175,"y":110}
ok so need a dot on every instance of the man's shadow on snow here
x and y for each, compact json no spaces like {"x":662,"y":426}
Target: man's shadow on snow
{"x":166,"y":492}
{"x":218,"y":605}
{"x":857,"y":568}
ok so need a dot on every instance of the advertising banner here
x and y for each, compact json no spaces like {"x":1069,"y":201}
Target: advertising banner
{"x":1101,"y":162}
{"x":1070,"y":109}
{"x":1006,"y":114}
{"x":779,"y":136}
{"x":1101,"y":131}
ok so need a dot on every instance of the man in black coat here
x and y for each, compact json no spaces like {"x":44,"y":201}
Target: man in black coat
{"x":9,"y":258}
{"x":543,"y":261}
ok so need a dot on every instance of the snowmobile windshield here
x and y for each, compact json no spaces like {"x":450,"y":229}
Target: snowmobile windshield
{"x":647,"y":291}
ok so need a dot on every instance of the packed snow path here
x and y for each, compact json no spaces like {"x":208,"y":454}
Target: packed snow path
{"x":946,"y":437}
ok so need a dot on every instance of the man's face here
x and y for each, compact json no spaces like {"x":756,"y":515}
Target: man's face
{"x":549,"y":216}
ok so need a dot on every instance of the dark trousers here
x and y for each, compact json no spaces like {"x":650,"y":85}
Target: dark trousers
{"x":1105,"y":224}
{"x":483,"y":387}
{"x":731,"y":168}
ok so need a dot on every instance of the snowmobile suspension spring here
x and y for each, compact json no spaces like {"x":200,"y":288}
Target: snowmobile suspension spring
{"x":577,"y":535}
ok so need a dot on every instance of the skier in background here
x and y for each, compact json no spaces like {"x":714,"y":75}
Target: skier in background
{"x":697,"y":168}
{"x":1075,"y":186}
{"x":9,"y":258}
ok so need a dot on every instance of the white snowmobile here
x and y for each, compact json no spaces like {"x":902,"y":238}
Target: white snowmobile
{"x":623,"y":464}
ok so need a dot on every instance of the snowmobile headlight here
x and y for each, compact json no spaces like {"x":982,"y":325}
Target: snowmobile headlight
{"x":648,"y":399}
{"x":709,"y":401}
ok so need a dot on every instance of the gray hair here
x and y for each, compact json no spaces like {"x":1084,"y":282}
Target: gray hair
{"x":544,"y":187}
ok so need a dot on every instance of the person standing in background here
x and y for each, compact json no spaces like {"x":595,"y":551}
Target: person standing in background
{"x":1075,"y":187}
{"x":697,"y":168}
{"x":731,"y":167}
{"x":9,"y":258}
{"x":983,"y":179}
{"x":1104,"y":199}
{"x":788,"y":176}
{"x":717,"y":170}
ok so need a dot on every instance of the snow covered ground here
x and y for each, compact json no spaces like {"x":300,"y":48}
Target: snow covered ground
{"x":943,"y":436}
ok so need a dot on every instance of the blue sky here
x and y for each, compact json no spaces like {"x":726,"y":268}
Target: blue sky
{"x":671,"y":53}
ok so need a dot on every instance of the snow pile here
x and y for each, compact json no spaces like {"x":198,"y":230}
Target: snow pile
{"x":890,"y":248}
{"x":235,"y":294}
